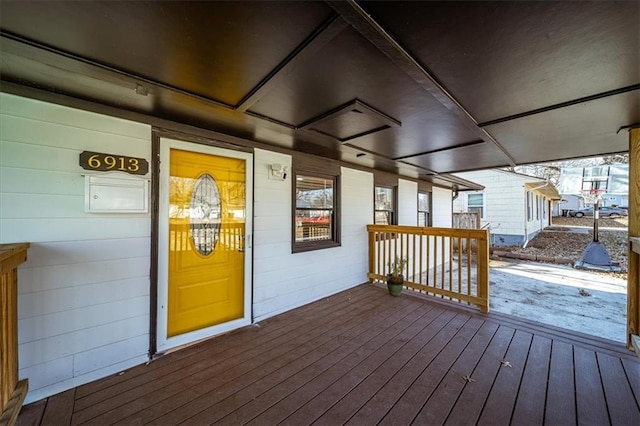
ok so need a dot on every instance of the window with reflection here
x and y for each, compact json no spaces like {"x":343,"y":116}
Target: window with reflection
{"x":475,"y":203}
{"x":316,"y":212}
{"x":385,"y":202}
{"x":424,"y":209}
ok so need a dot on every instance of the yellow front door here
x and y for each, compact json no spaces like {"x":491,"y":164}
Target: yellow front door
{"x":207,"y":210}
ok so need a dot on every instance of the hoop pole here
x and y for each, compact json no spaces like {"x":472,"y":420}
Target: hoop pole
{"x":596,"y":216}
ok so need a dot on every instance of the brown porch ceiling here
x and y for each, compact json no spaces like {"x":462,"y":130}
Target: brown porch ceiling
{"x":544,"y":80}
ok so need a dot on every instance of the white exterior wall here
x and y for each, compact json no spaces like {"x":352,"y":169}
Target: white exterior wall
{"x":285,"y":280}
{"x":83,"y":303}
{"x":84,"y":297}
{"x":505,"y":205}
{"x":538,"y":217}
{"x":407,"y":202}
{"x":442,"y":208}
{"x":570,"y":202}
{"x":503,"y":200}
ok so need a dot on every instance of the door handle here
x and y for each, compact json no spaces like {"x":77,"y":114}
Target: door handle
{"x":246,"y":239}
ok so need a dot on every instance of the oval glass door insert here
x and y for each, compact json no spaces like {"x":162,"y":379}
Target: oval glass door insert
{"x":205,"y":214}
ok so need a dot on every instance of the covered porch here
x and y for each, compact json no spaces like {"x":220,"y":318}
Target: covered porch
{"x":391,"y":95}
{"x":364,"y":357}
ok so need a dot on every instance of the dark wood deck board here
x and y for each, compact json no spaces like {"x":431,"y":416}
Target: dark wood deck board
{"x":279,"y":412}
{"x":429,"y":322}
{"x":31,"y":414}
{"x":501,"y":400}
{"x":618,"y":392}
{"x":529,"y":409}
{"x":632,"y":369}
{"x":363,"y":357}
{"x":267,"y":330}
{"x":218,"y":370}
{"x":60,"y":408}
{"x":561,"y":396}
{"x":469,"y":405}
{"x":379,"y":329}
{"x":384,"y":400}
{"x":367,"y":365}
{"x":354,"y":400}
{"x":443,"y":399}
{"x":316,"y":393}
{"x":409,"y":322}
{"x":406,"y":409}
{"x":590,"y":402}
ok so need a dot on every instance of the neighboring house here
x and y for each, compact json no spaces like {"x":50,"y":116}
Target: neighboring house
{"x":613,"y":179}
{"x":86,"y":293}
{"x":514,"y":206}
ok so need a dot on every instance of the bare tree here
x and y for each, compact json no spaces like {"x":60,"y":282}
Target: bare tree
{"x":551,"y":171}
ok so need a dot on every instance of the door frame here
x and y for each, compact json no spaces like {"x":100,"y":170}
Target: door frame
{"x":164,"y":342}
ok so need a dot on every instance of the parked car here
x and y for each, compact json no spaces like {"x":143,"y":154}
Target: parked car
{"x":604,"y":211}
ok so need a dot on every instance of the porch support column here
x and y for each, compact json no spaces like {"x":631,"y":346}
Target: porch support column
{"x":633,"y":288}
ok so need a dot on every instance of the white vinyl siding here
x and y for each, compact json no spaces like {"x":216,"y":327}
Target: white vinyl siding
{"x":83,"y":303}
{"x":84,"y":298}
{"x":285,"y":280}
{"x":505,"y":200}
{"x":442,"y":211}
{"x":407,"y":202}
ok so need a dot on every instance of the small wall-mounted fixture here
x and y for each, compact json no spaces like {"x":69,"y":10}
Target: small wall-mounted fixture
{"x":115,"y":192}
{"x":278,"y":171}
{"x":142,"y":90}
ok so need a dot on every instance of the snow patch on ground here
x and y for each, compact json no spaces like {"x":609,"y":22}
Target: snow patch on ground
{"x":561,"y":296}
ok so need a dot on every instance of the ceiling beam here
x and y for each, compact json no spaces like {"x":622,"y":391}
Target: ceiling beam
{"x":434,"y":151}
{"x":562,"y":105}
{"x":355,"y":15}
{"x":316,"y":41}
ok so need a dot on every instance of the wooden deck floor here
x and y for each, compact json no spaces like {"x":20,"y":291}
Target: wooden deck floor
{"x":362,"y":357}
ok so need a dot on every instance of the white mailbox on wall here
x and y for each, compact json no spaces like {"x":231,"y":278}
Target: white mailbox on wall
{"x":115,"y":192}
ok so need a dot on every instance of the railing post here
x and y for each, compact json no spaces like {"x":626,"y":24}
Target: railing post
{"x":483,"y":271}
{"x":633,"y":299}
{"x":633,"y":271}
{"x":372,"y":253}
{"x":12,"y":391}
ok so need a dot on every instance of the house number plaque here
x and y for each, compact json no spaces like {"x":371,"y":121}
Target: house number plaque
{"x":110,"y":162}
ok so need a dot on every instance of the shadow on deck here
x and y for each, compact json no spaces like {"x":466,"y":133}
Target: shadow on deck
{"x":363,"y":357}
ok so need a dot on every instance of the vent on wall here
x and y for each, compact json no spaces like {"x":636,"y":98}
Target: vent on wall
{"x":350,"y":121}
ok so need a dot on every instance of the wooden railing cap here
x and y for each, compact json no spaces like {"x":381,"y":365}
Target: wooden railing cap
{"x":12,"y":255}
{"x":9,"y":250}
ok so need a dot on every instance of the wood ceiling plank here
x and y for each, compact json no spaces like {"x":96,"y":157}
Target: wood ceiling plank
{"x":306,"y":50}
{"x":387,"y":44}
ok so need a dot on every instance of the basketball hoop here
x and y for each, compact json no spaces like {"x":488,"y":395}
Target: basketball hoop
{"x":591,"y":196}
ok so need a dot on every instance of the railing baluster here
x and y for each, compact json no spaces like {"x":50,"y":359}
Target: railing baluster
{"x":443,"y":262}
{"x":428,"y":260}
{"x":413,"y":258}
{"x":468,"y":245}
{"x":420,"y":259}
{"x":482,"y":265}
{"x":451,"y":264}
